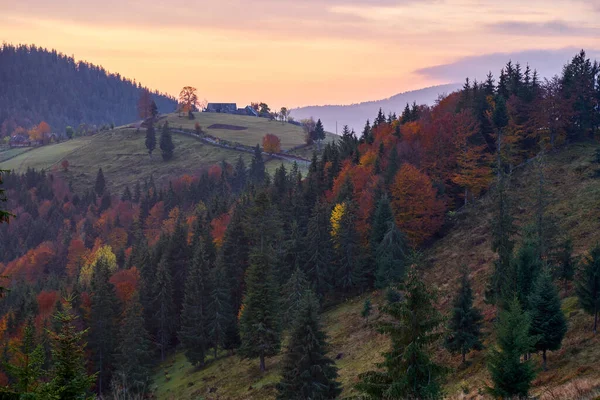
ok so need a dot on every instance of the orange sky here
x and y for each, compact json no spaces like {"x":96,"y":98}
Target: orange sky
{"x":297,"y":53}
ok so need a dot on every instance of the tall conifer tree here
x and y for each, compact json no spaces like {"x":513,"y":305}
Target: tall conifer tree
{"x":588,"y":285}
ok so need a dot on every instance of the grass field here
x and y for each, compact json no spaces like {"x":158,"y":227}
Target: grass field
{"x":290,"y":135}
{"x":573,"y":370}
{"x":122,"y":155}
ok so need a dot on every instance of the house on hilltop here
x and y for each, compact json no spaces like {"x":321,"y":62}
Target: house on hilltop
{"x":227,"y":108}
{"x":19,"y":141}
{"x":248,"y":111}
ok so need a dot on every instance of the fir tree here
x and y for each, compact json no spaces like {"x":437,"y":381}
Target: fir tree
{"x":407,"y":371}
{"x":318,"y":249}
{"x":381,"y":217}
{"x":588,"y":285}
{"x":100,"y":185}
{"x":349,"y":271}
{"x":69,"y":379}
{"x":259,"y":322}
{"x":166,"y":143}
{"x":234,"y":256}
{"x":134,"y":353}
{"x":319,"y":133}
{"x":126,"y":194}
{"x":194,"y":333}
{"x":240,"y":175}
{"x":548,"y":323}
{"x":307,"y":371}
{"x":566,"y":264}
{"x":222,"y":320}
{"x":257,"y":173}
{"x":163,"y":306}
{"x":390,"y":259}
{"x":150,"y":139}
{"x":511,"y":377}
{"x":464,"y":328}
{"x":103,"y":327}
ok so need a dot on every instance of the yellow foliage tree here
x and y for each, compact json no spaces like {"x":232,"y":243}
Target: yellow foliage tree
{"x":104,"y":253}
{"x":336,"y":217}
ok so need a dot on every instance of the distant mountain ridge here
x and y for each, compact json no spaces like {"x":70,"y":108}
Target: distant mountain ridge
{"x":355,"y":115}
{"x":37,"y":85}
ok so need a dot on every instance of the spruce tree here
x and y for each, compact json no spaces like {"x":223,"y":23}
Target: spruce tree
{"x":163,"y":306}
{"x":379,"y":227}
{"x":234,"y":256}
{"x":347,"y":260}
{"x":257,"y":172}
{"x":511,"y":377}
{"x":260,"y":328}
{"x":366,"y":311}
{"x":150,"y":139}
{"x":166,"y":143}
{"x":307,"y":371}
{"x":319,"y":133}
{"x":391,"y":257}
{"x":548,"y":322}
{"x":194,"y":334}
{"x":565,"y":264}
{"x":588,"y":285}
{"x":527,"y":267}
{"x":100,"y":185}
{"x":222,"y":320}
{"x":103,"y":324}
{"x":407,"y":371}
{"x":69,"y":379}
{"x":464,"y":328}
{"x":134,"y":352}
{"x":318,"y":249}
{"x":292,"y":292}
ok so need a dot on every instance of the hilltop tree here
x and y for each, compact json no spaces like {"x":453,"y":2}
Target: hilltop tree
{"x":69,"y":379}
{"x":260,"y":327}
{"x":318,"y":133}
{"x":100,"y":185}
{"x":511,"y":377}
{"x":103,"y":324}
{"x":194,"y":334}
{"x":271,"y":143}
{"x":188,"y":99}
{"x":144,"y":105}
{"x":150,"y":139}
{"x":588,"y":285}
{"x":166,"y":143}
{"x":307,"y":371}
{"x":407,"y":370}
{"x":548,"y":322}
{"x":464,"y":328}
{"x":134,"y":353}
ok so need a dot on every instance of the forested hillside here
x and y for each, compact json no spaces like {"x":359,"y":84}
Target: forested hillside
{"x":43,"y":85}
{"x":238,"y":261}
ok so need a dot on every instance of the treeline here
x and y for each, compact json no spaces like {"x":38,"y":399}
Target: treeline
{"x":44,"y":85}
{"x":225,"y":261}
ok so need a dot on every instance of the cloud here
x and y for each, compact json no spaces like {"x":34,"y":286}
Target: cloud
{"x":547,"y":63}
{"x":548,"y":28}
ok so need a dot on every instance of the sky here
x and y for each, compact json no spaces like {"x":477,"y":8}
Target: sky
{"x":306,"y":52}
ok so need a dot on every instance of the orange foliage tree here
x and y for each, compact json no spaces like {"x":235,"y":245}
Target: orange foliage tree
{"x":271,"y":143}
{"x":419,"y":213}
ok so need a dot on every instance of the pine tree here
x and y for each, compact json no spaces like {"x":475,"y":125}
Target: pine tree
{"x":134,"y":353}
{"x":292,"y":292}
{"x":511,"y":377}
{"x":163,"y":306}
{"x":257,"y":173}
{"x":527,"y":267}
{"x":548,"y":322}
{"x":588,"y":285}
{"x":166,"y":143}
{"x":407,"y":371}
{"x":319,"y":133}
{"x":222,"y":320}
{"x":150,"y":139}
{"x":100,"y":185}
{"x":260,"y":322}
{"x":566,"y":264}
{"x":464,"y":328}
{"x":234,"y":256}
{"x":390,"y":259}
{"x":318,"y":249}
{"x":69,"y":379}
{"x":381,"y":217}
{"x":194,"y":334}
{"x":28,"y":362}
{"x":307,"y":371}
{"x":240,"y":175}
{"x":103,"y":324}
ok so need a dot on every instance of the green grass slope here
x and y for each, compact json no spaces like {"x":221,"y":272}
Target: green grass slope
{"x":573,"y":371}
{"x":122,"y":154}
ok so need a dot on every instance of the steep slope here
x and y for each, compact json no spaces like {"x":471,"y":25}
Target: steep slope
{"x":573,"y":373}
{"x":44,"y":85}
{"x":355,"y":115}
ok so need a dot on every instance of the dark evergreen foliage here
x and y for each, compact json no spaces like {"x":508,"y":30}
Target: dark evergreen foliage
{"x":588,"y":285}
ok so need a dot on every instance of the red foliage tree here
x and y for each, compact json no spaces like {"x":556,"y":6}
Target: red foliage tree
{"x":271,"y":143}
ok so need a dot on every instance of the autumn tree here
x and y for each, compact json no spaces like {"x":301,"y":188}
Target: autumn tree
{"x":188,"y":99}
{"x":144,"y":105}
{"x":28,"y":361}
{"x":271,"y":143}
{"x":65,"y":165}
{"x":418,"y":211}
